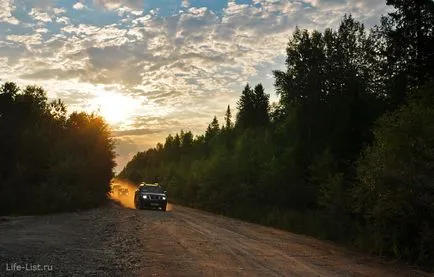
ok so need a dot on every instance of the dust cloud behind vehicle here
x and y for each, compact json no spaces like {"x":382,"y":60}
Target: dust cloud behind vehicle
{"x":123,"y":192}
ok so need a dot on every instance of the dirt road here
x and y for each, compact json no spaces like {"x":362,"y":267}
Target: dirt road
{"x":115,"y":241}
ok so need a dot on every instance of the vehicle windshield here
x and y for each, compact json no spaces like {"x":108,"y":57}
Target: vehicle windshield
{"x":156,"y":189}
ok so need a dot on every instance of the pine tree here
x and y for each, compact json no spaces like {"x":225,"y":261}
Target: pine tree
{"x":228,"y":118}
{"x":262,"y":106}
{"x":246,"y":108}
{"x":213,"y":129}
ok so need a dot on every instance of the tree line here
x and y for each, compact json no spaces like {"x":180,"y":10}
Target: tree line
{"x":49,"y":161}
{"x":348,"y":152}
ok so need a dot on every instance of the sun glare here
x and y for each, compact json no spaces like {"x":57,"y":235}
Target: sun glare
{"x":114,"y":107}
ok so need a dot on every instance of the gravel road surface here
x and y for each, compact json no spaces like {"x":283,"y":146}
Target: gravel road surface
{"x":117,"y":241}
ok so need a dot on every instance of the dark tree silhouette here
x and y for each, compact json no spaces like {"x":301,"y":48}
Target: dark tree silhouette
{"x":50,"y":162}
{"x":228,"y":118}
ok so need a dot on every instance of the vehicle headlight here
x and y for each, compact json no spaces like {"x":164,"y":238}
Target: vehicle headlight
{"x":164,"y":197}
{"x":145,"y":197}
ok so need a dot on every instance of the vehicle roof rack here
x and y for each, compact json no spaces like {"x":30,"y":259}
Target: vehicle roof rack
{"x":149,"y":184}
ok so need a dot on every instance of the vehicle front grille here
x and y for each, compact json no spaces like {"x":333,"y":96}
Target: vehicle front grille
{"x":155,"y":197}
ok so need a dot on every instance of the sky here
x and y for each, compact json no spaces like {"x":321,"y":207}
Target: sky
{"x":154,"y":67}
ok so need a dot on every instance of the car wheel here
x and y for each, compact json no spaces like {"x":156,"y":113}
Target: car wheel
{"x":163,"y":208}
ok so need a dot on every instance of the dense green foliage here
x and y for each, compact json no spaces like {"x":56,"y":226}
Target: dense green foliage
{"x":49,"y":161}
{"x":396,"y":189}
{"x":347,"y":154}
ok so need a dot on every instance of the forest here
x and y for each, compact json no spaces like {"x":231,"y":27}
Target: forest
{"x":347,"y":154}
{"x":50,"y":161}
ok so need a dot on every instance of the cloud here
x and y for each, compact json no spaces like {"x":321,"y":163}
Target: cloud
{"x":45,"y":73}
{"x":63,"y":20}
{"x":41,"y":30}
{"x":160,"y":123}
{"x":40,"y":15}
{"x":114,"y":4}
{"x":59,"y":11}
{"x":79,"y":6}
{"x":179,"y":56}
{"x":6,"y":9}
{"x":135,"y":132}
{"x":27,"y":40}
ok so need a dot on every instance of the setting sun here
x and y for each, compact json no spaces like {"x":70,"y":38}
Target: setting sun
{"x":115,"y":108}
